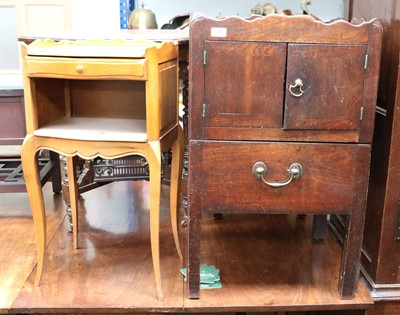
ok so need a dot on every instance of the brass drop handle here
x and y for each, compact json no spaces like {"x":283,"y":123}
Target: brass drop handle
{"x":260,"y":170}
{"x":298,"y":85}
{"x":79,"y":69}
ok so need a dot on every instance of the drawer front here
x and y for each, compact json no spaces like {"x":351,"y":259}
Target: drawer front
{"x":69,"y":68}
{"x":327,"y":184}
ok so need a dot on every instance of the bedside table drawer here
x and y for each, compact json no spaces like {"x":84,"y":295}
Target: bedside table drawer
{"x":86,"y":68}
{"x":325,"y":185}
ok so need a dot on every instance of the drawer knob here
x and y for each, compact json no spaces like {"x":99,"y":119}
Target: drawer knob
{"x":296,"y":89}
{"x":79,"y":69}
{"x":260,"y":170}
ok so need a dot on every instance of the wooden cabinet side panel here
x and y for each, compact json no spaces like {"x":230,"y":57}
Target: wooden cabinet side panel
{"x":375,"y":200}
{"x":196,"y":80}
{"x":388,"y":261}
{"x":381,"y":223}
{"x":168,"y":91}
{"x":195,"y":212}
{"x":49,"y":100}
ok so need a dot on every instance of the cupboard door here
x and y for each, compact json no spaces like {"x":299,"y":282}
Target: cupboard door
{"x":324,"y":86}
{"x":244,"y":84}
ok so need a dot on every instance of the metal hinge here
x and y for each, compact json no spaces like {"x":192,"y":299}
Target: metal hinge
{"x":361,"y":113}
{"x":204,"y":110}
{"x":204,"y":57}
{"x":366,"y":62}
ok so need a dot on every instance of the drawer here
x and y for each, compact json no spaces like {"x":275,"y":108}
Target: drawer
{"x":223,"y":172}
{"x":79,"y":68}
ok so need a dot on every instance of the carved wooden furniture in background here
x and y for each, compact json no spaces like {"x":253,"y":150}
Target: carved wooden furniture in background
{"x":110,"y":98}
{"x":382,"y":237}
{"x":99,"y":171}
{"x":381,"y":244}
{"x":294,"y":99}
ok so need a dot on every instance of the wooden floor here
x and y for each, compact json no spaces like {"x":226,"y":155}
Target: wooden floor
{"x":268,"y":263}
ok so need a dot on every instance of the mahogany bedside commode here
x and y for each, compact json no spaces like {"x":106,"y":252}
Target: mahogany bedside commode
{"x":292,"y":100}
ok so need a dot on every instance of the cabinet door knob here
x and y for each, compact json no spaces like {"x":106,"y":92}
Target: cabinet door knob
{"x":260,"y":170}
{"x":79,"y":69}
{"x":298,"y":85}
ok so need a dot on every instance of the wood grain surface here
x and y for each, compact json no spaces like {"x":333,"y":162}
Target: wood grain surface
{"x":271,"y":262}
{"x":112,"y":269}
{"x":268,"y":263}
{"x":18,"y":243}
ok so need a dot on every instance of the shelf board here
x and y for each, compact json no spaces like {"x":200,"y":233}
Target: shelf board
{"x":96,"y":129}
